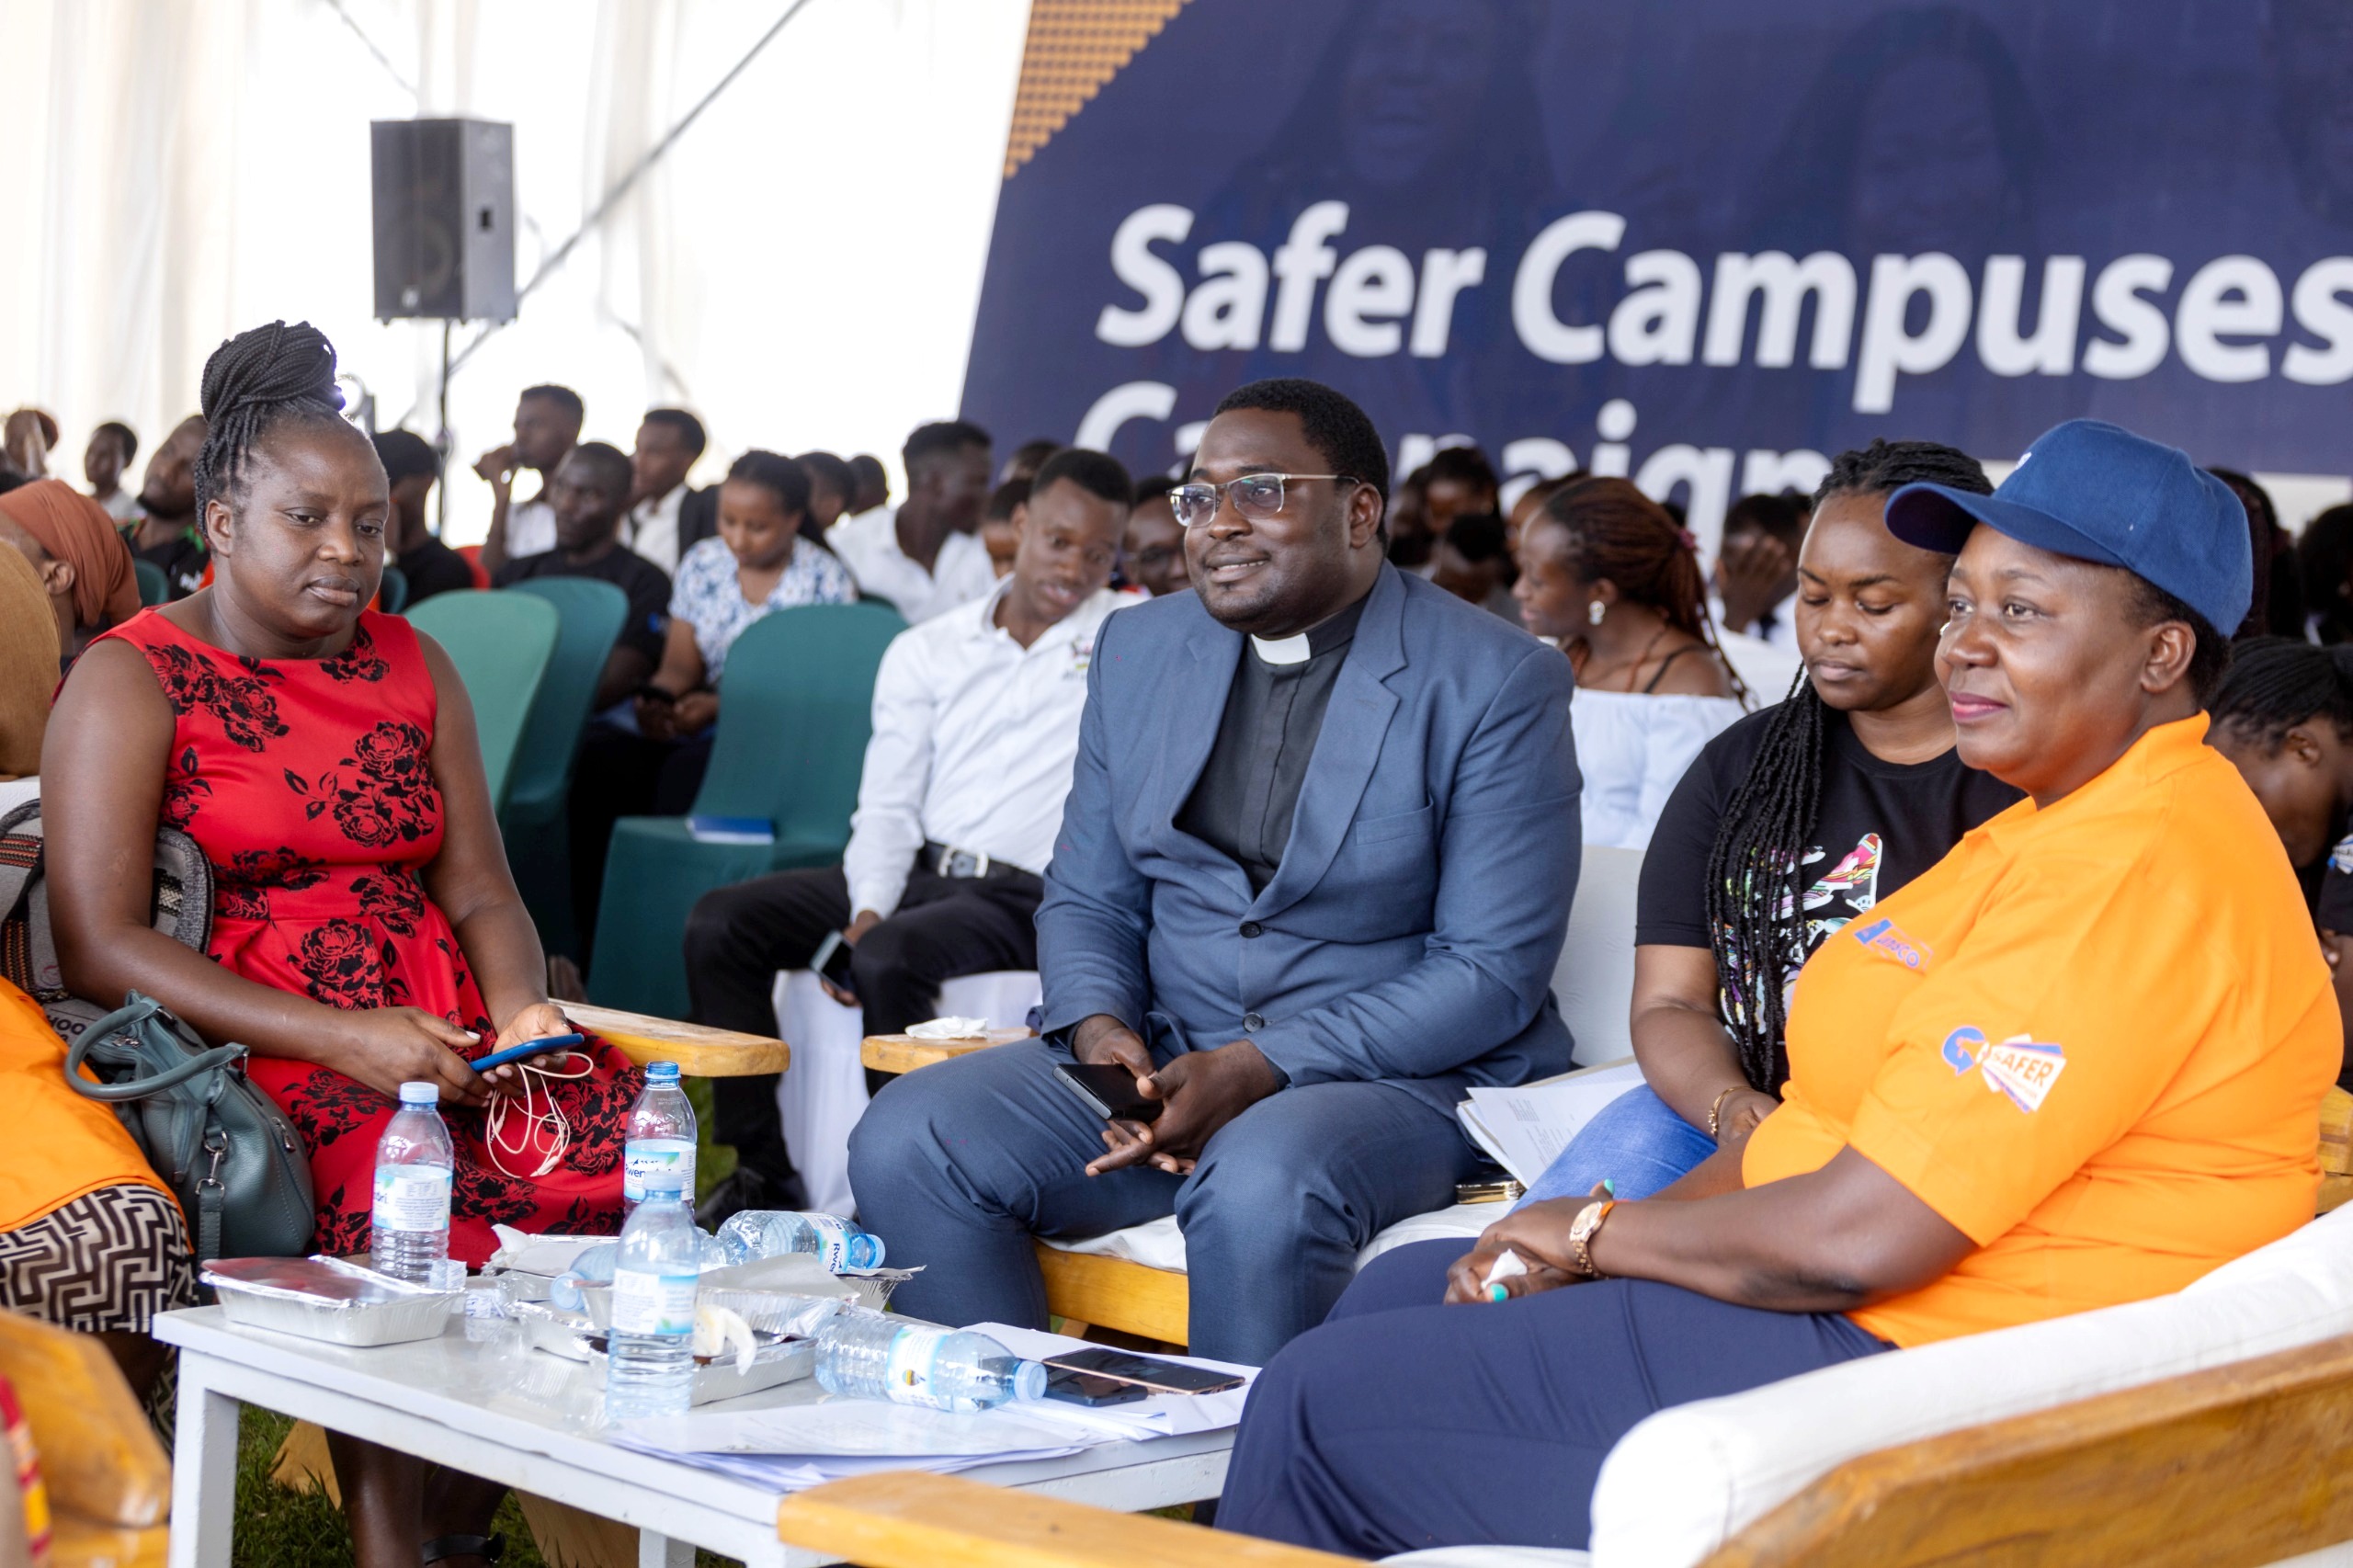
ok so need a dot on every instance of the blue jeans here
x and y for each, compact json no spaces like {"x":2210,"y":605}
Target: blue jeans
{"x":1402,"y":1424}
{"x":956,"y":1167}
{"x":1636,"y":1143}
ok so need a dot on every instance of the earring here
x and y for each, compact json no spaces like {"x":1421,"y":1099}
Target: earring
{"x":1595,"y":611}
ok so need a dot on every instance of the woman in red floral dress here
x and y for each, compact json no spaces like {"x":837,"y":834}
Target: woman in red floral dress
{"x":366,"y":928}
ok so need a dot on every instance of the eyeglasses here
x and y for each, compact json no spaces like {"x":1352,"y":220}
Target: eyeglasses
{"x":1257,"y":497}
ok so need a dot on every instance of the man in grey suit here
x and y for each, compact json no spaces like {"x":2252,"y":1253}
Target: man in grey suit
{"x":1312,"y":882}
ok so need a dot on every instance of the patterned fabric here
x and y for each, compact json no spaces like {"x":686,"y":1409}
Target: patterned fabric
{"x":108,"y":1261}
{"x":708,"y":596}
{"x":309,"y":784}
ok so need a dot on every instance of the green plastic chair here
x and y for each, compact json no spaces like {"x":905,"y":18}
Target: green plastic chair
{"x":155,"y":589}
{"x":501,"y":643}
{"x":535,"y":820}
{"x":392,"y":591}
{"x":795,"y":711}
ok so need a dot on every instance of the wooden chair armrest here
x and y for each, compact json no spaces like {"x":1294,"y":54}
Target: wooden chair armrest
{"x":2239,"y":1463}
{"x":2336,"y":1150}
{"x":910,"y":1520}
{"x":904,"y":1053}
{"x":700,"y":1052}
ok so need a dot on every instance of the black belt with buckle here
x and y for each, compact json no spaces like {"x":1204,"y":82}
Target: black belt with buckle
{"x":970,"y":865}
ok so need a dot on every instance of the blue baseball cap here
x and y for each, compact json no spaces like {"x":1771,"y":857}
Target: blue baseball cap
{"x":2095,"y":492}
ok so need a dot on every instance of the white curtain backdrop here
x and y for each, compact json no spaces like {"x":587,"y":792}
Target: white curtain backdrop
{"x":800,"y":269}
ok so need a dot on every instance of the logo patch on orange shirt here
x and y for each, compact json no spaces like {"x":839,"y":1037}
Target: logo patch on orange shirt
{"x":2021,"y":1067}
{"x":1886,"y":938}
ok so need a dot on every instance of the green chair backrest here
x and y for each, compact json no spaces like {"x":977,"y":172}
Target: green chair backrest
{"x":796,"y":707}
{"x":391,"y":593}
{"x":592,"y":611}
{"x":155,"y":589}
{"x":501,"y":643}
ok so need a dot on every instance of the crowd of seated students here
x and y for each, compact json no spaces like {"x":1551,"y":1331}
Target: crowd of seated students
{"x":1326,"y":805}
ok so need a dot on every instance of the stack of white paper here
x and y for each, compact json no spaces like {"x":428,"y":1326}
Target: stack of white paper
{"x":1524,"y":1129}
{"x":789,"y":1446}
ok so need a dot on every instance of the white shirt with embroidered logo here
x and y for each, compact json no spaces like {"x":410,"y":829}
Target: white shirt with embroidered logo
{"x":974,"y":740}
{"x":869,"y":545}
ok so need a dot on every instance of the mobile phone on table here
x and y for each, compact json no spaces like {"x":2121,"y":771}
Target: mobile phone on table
{"x":554,"y":1044}
{"x":832,"y":961}
{"x":1109,"y":1090}
{"x":1146,"y":1371}
{"x":1085,"y":1388}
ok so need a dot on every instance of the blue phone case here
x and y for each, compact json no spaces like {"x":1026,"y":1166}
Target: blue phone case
{"x":529,"y":1048}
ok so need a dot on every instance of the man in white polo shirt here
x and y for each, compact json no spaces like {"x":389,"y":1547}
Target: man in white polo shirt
{"x":975,"y":731}
{"x":925,"y":554}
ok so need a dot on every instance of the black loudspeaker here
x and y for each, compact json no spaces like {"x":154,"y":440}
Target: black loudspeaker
{"x":445,"y":219}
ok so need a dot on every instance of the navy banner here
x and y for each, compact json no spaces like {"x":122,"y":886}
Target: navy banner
{"x":1698,"y":242}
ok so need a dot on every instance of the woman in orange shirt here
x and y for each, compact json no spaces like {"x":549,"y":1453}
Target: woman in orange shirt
{"x":89,"y":1238}
{"x":2079,"y":1062}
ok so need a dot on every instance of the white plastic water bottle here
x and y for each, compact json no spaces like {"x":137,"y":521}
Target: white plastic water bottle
{"x":414,"y":1168}
{"x":772,"y":1233}
{"x":866,"y":1354}
{"x":649,"y":1364}
{"x":661,"y":1135}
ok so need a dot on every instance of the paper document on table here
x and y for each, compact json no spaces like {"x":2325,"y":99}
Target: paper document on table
{"x":865,"y":1427}
{"x":1160,"y":1415}
{"x":1525,"y":1129}
{"x":782,"y":1473}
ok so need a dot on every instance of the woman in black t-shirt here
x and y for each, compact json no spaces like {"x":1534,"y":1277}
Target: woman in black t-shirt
{"x":1790,"y":823}
{"x":2284,"y":716}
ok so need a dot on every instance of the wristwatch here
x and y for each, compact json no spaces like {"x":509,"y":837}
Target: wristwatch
{"x":1582,"y":1230}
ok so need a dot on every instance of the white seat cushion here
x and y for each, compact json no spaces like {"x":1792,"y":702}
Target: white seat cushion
{"x":821,"y":1100}
{"x":1683,"y":1481}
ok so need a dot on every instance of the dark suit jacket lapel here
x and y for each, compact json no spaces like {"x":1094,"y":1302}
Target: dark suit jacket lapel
{"x":1188,"y":726}
{"x":1355,"y":722}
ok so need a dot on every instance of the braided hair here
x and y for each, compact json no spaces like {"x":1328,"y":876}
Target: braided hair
{"x":2277,"y":683}
{"x":1756,"y":918}
{"x":255,"y":380}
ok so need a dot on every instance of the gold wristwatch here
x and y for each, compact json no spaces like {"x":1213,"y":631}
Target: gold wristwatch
{"x":1582,"y":1230}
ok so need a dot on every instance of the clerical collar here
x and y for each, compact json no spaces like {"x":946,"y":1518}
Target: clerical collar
{"x":1329,"y":635}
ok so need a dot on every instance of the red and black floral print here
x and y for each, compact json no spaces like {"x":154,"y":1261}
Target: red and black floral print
{"x":309,"y":785}
{"x":244,"y":886}
{"x":238,"y":698}
{"x":391,"y":898}
{"x":359,"y":662}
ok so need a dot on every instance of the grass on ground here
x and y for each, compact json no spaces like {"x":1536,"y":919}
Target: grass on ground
{"x":281,"y":1527}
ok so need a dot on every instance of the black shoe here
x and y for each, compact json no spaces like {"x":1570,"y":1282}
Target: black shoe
{"x":750,"y":1188}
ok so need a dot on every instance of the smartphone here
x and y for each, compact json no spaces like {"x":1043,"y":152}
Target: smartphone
{"x":1147,"y":1371}
{"x":1084,"y":1388}
{"x":832,"y":961}
{"x":1109,"y":1090}
{"x":529,"y":1048}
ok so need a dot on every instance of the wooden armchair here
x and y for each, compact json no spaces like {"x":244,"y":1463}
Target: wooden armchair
{"x":700,"y":1052}
{"x":2238,"y":1464}
{"x":110,"y":1482}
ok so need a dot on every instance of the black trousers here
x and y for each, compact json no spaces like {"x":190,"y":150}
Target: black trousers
{"x":622,"y":773}
{"x":739,"y":936}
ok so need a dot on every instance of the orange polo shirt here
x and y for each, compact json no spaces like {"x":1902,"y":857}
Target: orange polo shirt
{"x":61,"y":1145}
{"x":2094,"y":1038}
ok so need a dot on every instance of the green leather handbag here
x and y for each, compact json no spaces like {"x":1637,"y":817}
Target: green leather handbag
{"x":219,"y":1144}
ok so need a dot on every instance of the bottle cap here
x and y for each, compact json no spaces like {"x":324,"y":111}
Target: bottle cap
{"x":1030,"y":1380}
{"x":866,"y":1250}
{"x":416,"y":1091}
{"x":661,"y":1071}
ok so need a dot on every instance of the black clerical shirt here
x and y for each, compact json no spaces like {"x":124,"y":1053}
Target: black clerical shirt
{"x":1247,"y":791}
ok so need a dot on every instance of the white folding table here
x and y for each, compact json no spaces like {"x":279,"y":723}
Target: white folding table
{"x":527,"y":1418}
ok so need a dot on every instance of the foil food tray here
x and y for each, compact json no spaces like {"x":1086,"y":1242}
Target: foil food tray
{"x":328,"y":1298}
